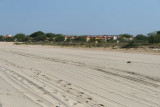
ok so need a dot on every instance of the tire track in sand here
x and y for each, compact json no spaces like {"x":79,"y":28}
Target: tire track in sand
{"x":114,"y":74}
{"x":40,"y":90}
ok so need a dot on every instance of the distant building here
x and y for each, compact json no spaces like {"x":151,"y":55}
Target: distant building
{"x":69,"y":37}
{"x":115,"y":37}
{"x":7,"y":36}
{"x":88,"y":38}
{"x":129,"y":39}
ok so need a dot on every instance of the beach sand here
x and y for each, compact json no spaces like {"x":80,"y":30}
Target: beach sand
{"x":47,"y":76}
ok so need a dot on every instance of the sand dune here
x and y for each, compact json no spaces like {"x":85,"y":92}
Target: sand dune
{"x":41,"y":76}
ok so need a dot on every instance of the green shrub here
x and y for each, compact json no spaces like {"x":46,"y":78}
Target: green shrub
{"x":131,"y":44}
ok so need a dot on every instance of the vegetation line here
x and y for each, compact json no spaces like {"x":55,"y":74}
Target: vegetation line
{"x":152,"y":40}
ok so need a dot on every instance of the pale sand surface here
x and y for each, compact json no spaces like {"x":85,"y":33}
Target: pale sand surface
{"x":43,"y":76}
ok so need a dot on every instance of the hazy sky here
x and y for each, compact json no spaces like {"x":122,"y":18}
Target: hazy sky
{"x":79,"y":16}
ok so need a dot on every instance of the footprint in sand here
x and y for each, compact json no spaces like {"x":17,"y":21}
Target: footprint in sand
{"x":89,"y":98}
{"x":81,"y":92}
{"x":39,"y":101}
{"x":59,"y":81}
{"x":101,"y":105}
{"x":66,"y":99}
{"x":54,"y":92}
{"x":3,"y":69}
{"x":63,"y":96}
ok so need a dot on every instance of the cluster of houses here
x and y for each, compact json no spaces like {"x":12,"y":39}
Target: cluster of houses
{"x":6,"y":36}
{"x":104,"y":37}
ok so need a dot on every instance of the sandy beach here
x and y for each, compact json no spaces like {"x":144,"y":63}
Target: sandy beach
{"x":46,"y":76}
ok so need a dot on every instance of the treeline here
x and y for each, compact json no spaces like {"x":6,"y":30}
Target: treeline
{"x":151,"y":38}
{"x":34,"y":37}
{"x":40,"y":36}
{"x":140,"y":38}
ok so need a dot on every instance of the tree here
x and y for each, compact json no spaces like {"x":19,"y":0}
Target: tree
{"x":126,"y":35}
{"x":151,"y":38}
{"x":131,"y":44}
{"x":9,"y":39}
{"x":99,"y":40}
{"x":80,"y":39}
{"x":141,"y":38}
{"x":27,"y":38}
{"x":50,"y":35}
{"x":38,"y":36}
{"x":1,"y":38}
{"x":158,"y":32}
{"x":20,"y":37}
{"x":51,"y":39}
{"x":58,"y":35}
{"x":154,"y":38}
{"x":121,"y":39}
{"x":59,"y":39}
{"x":92,"y":40}
{"x":157,"y":38}
{"x":69,"y":40}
